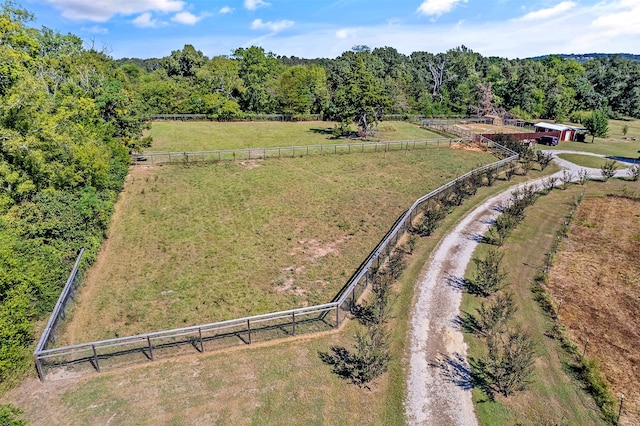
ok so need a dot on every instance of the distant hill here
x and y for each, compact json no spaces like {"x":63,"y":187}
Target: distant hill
{"x":584,"y":57}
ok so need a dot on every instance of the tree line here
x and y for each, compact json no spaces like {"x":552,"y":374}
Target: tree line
{"x":70,"y":115}
{"x":363,"y":84}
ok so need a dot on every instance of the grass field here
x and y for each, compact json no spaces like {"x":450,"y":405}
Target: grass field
{"x":199,"y":244}
{"x":262,"y":384}
{"x":589,"y":161}
{"x":179,"y":136}
{"x":554,"y":396}
{"x":616,"y":130}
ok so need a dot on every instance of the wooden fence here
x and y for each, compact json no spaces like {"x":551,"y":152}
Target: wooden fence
{"x":247,"y":117}
{"x":111,"y":353}
{"x":289,"y":151}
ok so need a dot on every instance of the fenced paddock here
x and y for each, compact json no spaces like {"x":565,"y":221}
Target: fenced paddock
{"x":290,"y":151}
{"x":111,"y":353}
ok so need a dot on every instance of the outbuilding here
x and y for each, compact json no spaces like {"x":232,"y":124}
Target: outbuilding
{"x":567,"y":133}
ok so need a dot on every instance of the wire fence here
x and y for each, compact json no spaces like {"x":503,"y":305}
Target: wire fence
{"x":112,"y":353}
{"x":289,"y":151}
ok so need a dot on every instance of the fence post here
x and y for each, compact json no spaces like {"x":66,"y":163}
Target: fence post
{"x":337,"y":315}
{"x":95,"y":358}
{"x":201,"y":342}
{"x":39,"y":369}
{"x":150,"y":348}
{"x":293,"y":319}
{"x":249,"y":330}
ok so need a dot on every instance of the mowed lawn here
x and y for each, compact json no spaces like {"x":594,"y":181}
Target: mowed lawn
{"x":614,"y":145}
{"x":199,"y":244}
{"x":590,"y":161}
{"x":181,"y":136}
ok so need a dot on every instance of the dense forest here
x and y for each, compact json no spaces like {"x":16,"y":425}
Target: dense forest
{"x":451,"y":83}
{"x":70,"y":115}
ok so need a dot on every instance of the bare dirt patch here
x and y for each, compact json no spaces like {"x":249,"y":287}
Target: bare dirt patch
{"x":250,"y":164}
{"x":490,"y":128}
{"x":597,"y":276}
{"x":467,"y":147}
{"x":315,"y":250}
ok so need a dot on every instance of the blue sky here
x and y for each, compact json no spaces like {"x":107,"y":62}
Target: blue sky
{"x":313,"y":29}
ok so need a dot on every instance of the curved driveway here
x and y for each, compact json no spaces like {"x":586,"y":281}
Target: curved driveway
{"x":438,"y":379}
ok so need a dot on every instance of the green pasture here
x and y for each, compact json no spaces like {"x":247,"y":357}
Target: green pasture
{"x":184,"y":136}
{"x":261,"y":384}
{"x":199,"y":244}
{"x":588,"y":160}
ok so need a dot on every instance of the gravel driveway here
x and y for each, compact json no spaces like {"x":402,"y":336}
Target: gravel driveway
{"x":438,"y":379}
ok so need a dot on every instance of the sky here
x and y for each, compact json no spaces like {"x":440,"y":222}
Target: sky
{"x":325,"y":29}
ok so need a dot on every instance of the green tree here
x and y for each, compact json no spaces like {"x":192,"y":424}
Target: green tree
{"x":508,"y":364}
{"x":597,"y":123}
{"x":220,"y":75}
{"x":259,"y":73}
{"x":303,"y":90}
{"x":185,"y":62}
{"x":489,"y":276}
{"x":361,"y":98}
{"x":368,"y":360}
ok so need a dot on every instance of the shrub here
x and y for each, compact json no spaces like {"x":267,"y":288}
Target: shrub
{"x":509,"y":171}
{"x":608,"y":170}
{"x":566,"y":178}
{"x":634,"y":172}
{"x":375,"y":310}
{"x":583,"y":175}
{"x":491,"y":176}
{"x":508,"y":364}
{"x":544,"y":159}
{"x":9,"y":416}
{"x":493,"y":317}
{"x":432,"y":214}
{"x":489,"y":276}
{"x":368,"y":360}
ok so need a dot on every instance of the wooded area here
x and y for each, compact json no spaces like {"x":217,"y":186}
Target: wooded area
{"x":70,"y":115}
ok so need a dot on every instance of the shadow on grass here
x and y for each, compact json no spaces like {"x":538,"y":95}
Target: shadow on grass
{"x":322,"y":131}
{"x":469,"y":324}
{"x":625,"y":160}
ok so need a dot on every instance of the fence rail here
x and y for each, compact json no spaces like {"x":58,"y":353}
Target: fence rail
{"x":59,"y":309}
{"x":289,"y":151}
{"x":248,"y":117}
{"x":94,"y":356}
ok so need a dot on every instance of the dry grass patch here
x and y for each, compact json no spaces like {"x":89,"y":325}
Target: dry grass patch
{"x":597,"y":275}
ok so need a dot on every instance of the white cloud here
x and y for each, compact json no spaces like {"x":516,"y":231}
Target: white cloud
{"x":146,"y":20}
{"x":255,"y":4}
{"x":273,"y":26}
{"x":345,"y":33}
{"x":96,"y":29}
{"x":103,"y":10}
{"x":186,"y":18}
{"x":225,"y":9}
{"x":551,"y":12}
{"x":437,"y":7}
{"x":622,"y":21}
